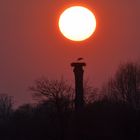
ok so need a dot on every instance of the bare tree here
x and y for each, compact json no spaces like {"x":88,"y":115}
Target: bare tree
{"x":58,"y":92}
{"x":125,"y":85}
{"x":6,"y":104}
{"x":90,"y":93}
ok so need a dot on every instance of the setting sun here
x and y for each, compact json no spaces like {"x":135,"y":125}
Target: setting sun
{"x":77,"y":23}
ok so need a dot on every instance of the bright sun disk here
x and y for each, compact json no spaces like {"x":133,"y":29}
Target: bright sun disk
{"x":77,"y":23}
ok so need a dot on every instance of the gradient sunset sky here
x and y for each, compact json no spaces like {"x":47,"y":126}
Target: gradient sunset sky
{"x":32,"y":46}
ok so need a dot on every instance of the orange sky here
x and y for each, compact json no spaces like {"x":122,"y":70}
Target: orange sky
{"x":31,"y":44}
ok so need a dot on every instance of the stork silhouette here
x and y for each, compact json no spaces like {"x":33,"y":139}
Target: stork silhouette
{"x":79,"y":59}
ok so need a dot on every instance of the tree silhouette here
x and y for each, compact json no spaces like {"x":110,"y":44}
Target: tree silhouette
{"x":90,"y":93}
{"x":57,"y":92}
{"x":125,"y":85}
{"x":6,"y":111}
{"x":6,"y":106}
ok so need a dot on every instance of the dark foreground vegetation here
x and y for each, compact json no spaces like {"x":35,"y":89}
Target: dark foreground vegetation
{"x":111,"y":113}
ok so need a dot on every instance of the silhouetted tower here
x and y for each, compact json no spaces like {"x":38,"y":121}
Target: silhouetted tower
{"x":79,"y":90}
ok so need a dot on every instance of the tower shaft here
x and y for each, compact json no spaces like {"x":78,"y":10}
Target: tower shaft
{"x":79,"y":90}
